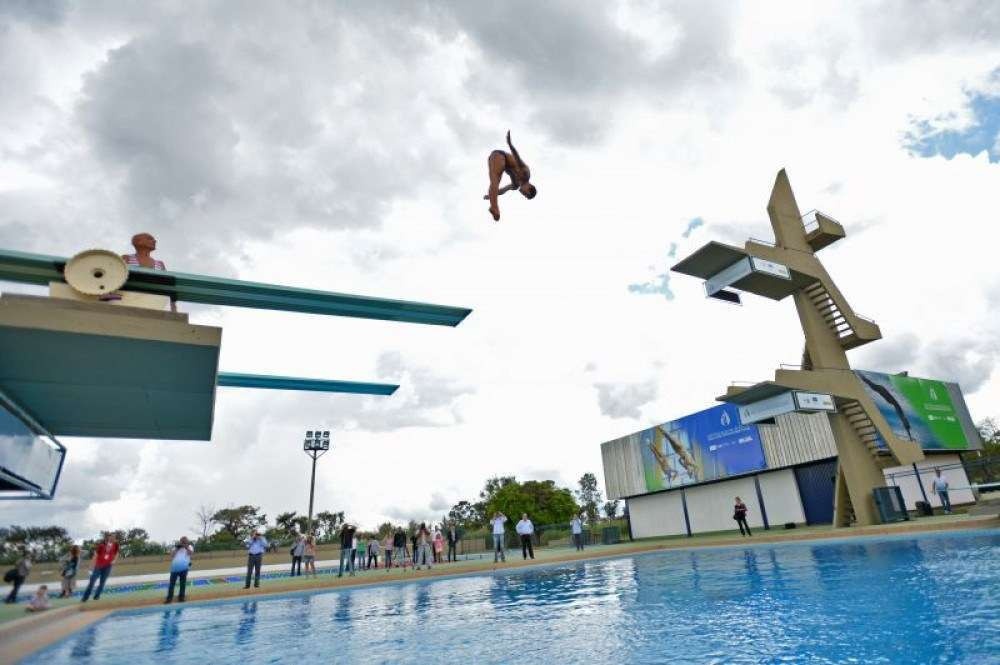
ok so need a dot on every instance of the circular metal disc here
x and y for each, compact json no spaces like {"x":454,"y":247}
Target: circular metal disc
{"x":96,"y":271}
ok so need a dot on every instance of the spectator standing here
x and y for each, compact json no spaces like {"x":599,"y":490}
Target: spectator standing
{"x":399,"y":547}
{"x":104,"y":557}
{"x":373,"y":548}
{"x":16,"y":577}
{"x":298,"y":549}
{"x":438,"y":546}
{"x":346,"y":549}
{"x":180,"y":564}
{"x":576,"y":527}
{"x":526,"y":530}
{"x":309,"y":555}
{"x":40,"y":601}
{"x":452,"y":543}
{"x":387,"y":549}
{"x":740,"y":515}
{"x":359,"y":552}
{"x":497,"y":523}
{"x":940,"y":486}
{"x":414,"y":554}
{"x":256,"y":548}
{"x":426,"y":546}
{"x":67,"y":574}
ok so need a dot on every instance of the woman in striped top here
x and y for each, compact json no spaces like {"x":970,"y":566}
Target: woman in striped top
{"x":144,"y":245}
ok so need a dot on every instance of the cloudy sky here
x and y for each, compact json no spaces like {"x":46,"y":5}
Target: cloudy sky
{"x":343,"y":145}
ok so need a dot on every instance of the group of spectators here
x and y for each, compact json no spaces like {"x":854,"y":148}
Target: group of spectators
{"x":105,"y":555}
{"x":525,"y":529}
{"x":424,"y":547}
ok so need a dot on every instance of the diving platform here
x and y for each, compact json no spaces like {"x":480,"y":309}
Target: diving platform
{"x":86,"y":369}
{"x":106,"y":355}
{"x":723,"y":266}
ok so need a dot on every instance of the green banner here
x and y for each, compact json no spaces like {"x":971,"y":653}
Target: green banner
{"x":926,"y":411}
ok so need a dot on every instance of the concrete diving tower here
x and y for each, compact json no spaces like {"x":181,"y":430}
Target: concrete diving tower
{"x":789,"y":267}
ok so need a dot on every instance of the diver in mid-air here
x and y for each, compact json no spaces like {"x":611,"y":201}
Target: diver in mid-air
{"x":501,"y":162}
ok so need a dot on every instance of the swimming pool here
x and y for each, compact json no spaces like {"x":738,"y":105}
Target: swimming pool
{"x":933,"y":598}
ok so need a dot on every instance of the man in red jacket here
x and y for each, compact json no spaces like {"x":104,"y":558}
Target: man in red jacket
{"x":104,"y":556}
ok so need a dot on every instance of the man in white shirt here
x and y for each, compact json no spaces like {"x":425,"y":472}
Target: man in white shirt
{"x":180,"y":563}
{"x":298,"y":549}
{"x":940,"y":486}
{"x":526,"y":530}
{"x":255,"y":556}
{"x":576,"y":526}
{"x":498,"y":522}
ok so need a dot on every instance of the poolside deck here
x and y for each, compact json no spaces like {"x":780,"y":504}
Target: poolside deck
{"x":21,"y":635}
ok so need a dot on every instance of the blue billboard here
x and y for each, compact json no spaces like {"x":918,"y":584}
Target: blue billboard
{"x":707,"y":445}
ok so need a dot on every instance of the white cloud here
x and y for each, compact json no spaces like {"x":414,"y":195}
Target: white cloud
{"x":359,"y":166}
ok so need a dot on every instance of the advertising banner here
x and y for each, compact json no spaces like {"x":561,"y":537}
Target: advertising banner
{"x":929,"y":412}
{"x":707,"y":445}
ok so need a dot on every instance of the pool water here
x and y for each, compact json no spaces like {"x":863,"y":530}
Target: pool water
{"x":928,"y":599}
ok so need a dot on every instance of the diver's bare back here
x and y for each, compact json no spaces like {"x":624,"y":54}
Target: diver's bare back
{"x":501,"y":162}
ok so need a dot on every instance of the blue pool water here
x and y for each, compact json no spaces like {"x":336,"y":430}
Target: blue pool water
{"x":894,"y":600}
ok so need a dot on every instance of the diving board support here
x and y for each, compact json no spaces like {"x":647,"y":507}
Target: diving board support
{"x":237,"y":380}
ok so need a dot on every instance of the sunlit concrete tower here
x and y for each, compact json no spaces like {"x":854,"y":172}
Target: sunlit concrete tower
{"x":790,"y":267}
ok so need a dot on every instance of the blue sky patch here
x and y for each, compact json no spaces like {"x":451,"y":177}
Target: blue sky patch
{"x":692,"y":225}
{"x":984,"y":134}
{"x":658,"y":285}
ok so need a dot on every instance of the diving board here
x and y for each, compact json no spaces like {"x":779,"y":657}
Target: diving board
{"x":41,"y":269}
{"x":237,"y":380}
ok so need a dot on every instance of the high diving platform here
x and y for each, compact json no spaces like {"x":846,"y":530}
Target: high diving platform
{"x":121,"y":363}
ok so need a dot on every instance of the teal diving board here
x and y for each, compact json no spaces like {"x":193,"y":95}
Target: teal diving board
{"x":40,"y":269}
{"x":235,"y":380}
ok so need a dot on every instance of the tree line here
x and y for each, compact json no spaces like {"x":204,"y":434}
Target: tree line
{"x":229,"y":528}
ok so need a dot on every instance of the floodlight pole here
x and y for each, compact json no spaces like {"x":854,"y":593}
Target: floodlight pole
{"x":315,"y":447}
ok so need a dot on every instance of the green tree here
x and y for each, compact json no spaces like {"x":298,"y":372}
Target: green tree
{"x":239,"y":522}
{"x":611,"y":509}
{"x":589,"y":495}
{"x":490,"y":489}
{"x":540,"y":499}
{"x":43,"y":543}
{"x":466,"y":515}
{"x":131,"y":542}
{"x":326,"y":524}
{"x":285,"y":521}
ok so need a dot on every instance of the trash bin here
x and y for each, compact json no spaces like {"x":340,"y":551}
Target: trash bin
{"x":924,"y":509}
{"x":889,"y":502}
{"x":611,"y":535}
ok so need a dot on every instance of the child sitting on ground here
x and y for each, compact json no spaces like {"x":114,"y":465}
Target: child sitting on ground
{"x":40,"y":601}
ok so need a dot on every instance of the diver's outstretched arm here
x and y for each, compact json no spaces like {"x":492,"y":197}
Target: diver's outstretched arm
{"x":513,"y":150}
{"x":502,"y":190}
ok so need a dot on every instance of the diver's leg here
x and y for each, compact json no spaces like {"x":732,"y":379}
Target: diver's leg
{"x":496,"y":163}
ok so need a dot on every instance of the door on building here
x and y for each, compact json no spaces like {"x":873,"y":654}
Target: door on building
{"x":816,"y":483}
